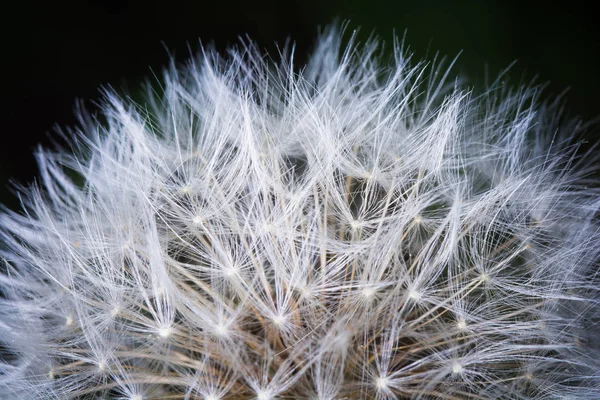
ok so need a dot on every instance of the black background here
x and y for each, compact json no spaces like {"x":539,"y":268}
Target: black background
{"x":59,"y":51}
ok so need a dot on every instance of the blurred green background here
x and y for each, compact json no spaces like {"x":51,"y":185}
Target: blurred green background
{"x":61,"y":51}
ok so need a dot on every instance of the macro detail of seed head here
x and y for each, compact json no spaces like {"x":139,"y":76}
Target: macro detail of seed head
{"x":352,"y":228}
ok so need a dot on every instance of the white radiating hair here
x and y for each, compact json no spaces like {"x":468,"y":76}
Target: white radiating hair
{"x":351,"y":229}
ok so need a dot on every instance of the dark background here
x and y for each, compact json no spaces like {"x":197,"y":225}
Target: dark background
{"x":61,"y":51}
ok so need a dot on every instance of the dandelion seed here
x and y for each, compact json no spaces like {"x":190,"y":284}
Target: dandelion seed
{"x":186,"y":189}
{"x":164,"y":332}
{"x":221,"y":330}
{"x":457,"y":368}
{"x":356,"y":224}
{"x":264,"y":395}
{"x":307,"y":293}
{"x":414,"y":295}
{"x":115,"y":311}
{"x":368,"y":293}
{"x":279,"y":320}
{"x":382,"y":383}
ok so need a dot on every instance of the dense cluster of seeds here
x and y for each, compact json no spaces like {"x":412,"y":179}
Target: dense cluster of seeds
{"x":346,"y":231}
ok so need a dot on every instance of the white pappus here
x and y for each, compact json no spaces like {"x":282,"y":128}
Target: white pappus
{"x":350,"y":229}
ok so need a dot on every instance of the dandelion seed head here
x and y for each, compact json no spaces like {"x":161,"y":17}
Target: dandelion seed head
{"x":262,"y":229}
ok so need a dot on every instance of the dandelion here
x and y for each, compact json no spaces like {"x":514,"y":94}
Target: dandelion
{"x":349,"y":229}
